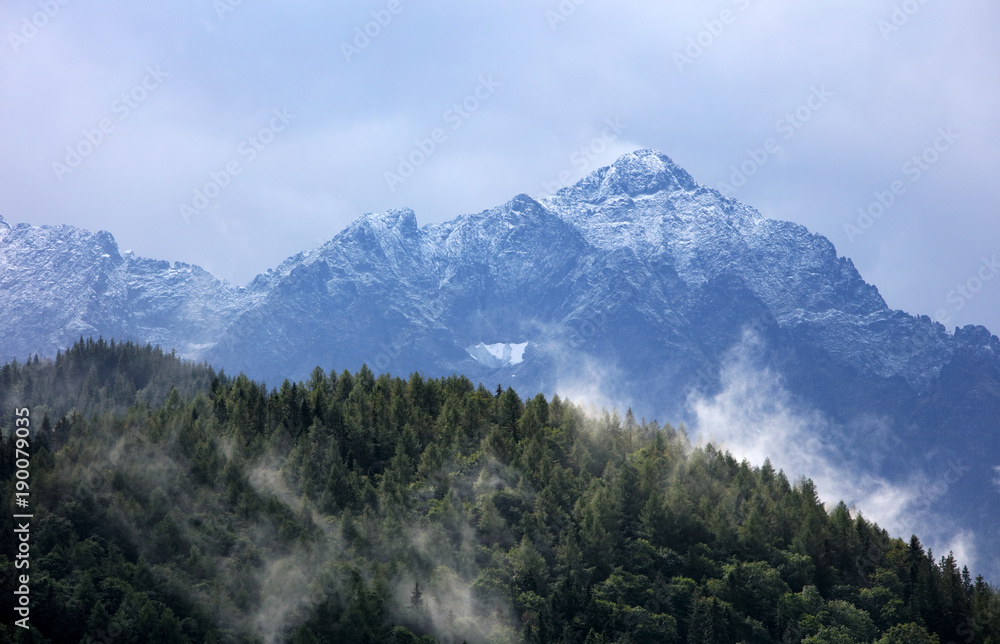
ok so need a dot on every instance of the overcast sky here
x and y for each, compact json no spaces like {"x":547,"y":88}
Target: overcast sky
{"x":287,"y":117}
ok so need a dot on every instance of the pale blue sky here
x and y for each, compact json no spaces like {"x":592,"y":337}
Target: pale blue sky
{"x":519,"y":95}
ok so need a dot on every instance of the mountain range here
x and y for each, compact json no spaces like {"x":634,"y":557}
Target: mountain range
{"x":636,"y":287}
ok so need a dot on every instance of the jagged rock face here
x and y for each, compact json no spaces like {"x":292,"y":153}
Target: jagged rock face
{"x":636,"y":282}
{"x":58,"y":283}
{"x":636,"y":270}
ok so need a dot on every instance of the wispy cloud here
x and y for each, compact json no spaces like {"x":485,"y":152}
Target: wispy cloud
{"x":754,"y":417}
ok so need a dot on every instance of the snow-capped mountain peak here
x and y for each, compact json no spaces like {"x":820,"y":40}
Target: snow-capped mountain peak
{"x":637,"y":281}
{"x":637,"y":174}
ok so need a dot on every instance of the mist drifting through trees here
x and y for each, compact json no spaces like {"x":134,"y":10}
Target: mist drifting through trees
{"x":173,"y":503}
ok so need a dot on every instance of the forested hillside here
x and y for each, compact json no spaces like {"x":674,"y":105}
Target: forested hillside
{"x":174,"y":504}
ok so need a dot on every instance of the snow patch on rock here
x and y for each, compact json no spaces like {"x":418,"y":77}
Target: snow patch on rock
{"x":498,"y":354}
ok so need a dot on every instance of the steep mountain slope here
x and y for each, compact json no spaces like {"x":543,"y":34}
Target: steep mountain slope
{"x":636,"y":286}
{"x":59,"y":283}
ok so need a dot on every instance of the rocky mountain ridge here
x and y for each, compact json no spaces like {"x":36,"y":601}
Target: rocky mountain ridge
{"x":637,"y":283}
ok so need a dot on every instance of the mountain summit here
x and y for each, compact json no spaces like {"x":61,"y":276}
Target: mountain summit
{"x":644,"y":172}
{"x":635,"y":254}
{"x":637,"y":282}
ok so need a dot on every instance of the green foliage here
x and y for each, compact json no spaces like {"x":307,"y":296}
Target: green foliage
{"x":907,"y":634}
{"x":174,"y":504}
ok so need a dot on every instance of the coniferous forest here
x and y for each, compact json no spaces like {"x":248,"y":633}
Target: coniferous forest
{"x":173,"y":503}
